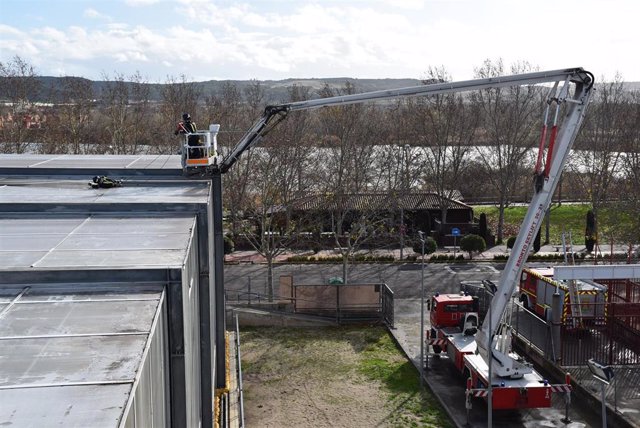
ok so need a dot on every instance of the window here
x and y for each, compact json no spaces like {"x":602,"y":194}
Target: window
{"x":459,"y":308}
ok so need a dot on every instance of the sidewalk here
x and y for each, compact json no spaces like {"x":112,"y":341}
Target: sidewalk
{"x":407,"y":253}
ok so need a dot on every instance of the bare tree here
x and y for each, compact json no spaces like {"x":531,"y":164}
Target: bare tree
{"x":19,"y":82}
{"x":178,"y":96}
{"x":70,"y":129}
{"x":400,"y":162}
{"x":632,"y":168}
{"x":507,"y":124}
{"x":278,"y":175}
{"x":601,"y":142}
{"x":139,"y":140}
{"x":235,"y":116}
{"x":352,"y":134}
{"x":115,"y":98}
{"x":446,"y":126}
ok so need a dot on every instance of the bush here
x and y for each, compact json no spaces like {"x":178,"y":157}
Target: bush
{"x":590,"y":232}
{"x":228,"y":244}
{"x":338,"y":259}
{"x":482,"y":226}
{"x":511,"y":241}
{"x":430,"y":246}
{"x":536,"y":242}
{"x":472,"y":243}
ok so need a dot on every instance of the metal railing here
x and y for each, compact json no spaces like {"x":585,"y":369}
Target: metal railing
{"x":239,"y":376}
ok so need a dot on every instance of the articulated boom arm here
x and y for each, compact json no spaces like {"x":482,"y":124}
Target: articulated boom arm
{"x":545,"y":184}
{"x":275,"y":113}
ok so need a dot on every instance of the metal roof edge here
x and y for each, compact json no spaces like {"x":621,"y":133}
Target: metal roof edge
{"x":108,"y":275}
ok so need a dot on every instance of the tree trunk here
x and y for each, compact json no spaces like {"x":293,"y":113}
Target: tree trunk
{"x":345,"y":265}
{"x":501,"y":209}
{"x":270,"y":277}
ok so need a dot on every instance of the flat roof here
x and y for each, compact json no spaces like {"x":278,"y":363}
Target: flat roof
{"x":135,"y":164}
{"x":69,"y":354}
{"x":44,"y":190}
{"x":82,"y":279}
{"x":48,"y":241}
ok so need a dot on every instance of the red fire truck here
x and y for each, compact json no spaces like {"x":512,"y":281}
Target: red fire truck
{"x":454,"y":324}
{"x":537,"y":287}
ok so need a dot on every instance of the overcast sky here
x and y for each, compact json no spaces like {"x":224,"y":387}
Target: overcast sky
{"x":278,"y":39}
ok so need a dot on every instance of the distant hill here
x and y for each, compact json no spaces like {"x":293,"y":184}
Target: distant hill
{"x":275,"y":90}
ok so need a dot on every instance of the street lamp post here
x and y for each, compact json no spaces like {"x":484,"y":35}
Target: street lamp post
{"x":421,"y":234}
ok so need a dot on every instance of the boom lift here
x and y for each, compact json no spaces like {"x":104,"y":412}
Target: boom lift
{"x":200,"y":149}
{"x":571,"y":86}
{"x":273,"y":114}
{"x":487,"y":357}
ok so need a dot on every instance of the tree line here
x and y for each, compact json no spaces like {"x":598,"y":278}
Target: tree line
{"x":481,"y":143}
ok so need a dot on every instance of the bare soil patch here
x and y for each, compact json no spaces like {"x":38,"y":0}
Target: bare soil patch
{"x":332,"y":377}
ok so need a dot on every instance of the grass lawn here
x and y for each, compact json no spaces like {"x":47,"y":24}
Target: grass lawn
{"x":566,"y":217}
{"x":332,"y":376}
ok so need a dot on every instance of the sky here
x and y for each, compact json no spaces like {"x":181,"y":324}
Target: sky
{"x":279,"y":39}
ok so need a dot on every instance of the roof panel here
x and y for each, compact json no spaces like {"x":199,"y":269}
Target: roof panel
{"x":30,"y":242}
{"x":69,"y":406}
{"x":150,"y":224}
{"x":95,"y":241}
{"x":25,"y":226}
{"x":125,"y":241}
{"x":18,"y":259}
{"x":86,"y":317}
{"x":27,"y":361}
{"x":115,"y":258}
{"x":79,"y":192}
{"x":76,"y":292}
{"x":69,"y":353}
{"x":169,"y":162}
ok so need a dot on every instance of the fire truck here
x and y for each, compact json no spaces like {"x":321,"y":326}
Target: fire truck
{"x":537,"y":287}
{"x":482,"y":351}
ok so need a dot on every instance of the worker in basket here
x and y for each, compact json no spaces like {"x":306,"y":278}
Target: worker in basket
{"x":186,"y":126}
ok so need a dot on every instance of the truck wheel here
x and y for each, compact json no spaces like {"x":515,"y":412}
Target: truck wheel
{"x":437,"y":349}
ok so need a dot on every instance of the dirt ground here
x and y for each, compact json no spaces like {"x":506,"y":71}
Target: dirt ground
{"x":331,"y":377}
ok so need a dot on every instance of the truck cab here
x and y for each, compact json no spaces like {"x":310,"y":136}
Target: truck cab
{"x":449,"y":310}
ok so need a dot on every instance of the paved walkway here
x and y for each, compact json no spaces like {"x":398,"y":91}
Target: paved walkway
{"x":488,"y":255}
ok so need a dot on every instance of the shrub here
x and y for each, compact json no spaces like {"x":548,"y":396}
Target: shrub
{"x":228,"y":245}
{"x":482,"y":226}
{"x":590,"y":232}
{"x":536,"y":242}
{"x":430,"y":246}
{"x":471,"y":243}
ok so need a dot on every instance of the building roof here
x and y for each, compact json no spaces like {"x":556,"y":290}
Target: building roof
{"x":99,"y":164}
{"x":94,"y":240}
{"x":373,"y":202}
{"x":83,"y":274}
{"x":69,"y":354}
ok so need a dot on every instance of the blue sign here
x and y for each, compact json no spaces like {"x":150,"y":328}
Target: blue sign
{"x":455,"y":231}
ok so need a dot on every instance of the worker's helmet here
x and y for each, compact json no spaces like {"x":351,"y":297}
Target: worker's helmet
{"x":186,"y":116}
